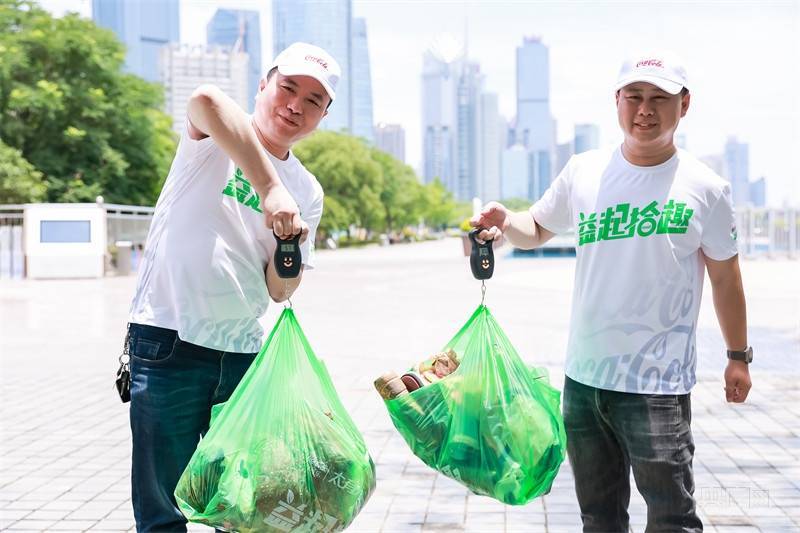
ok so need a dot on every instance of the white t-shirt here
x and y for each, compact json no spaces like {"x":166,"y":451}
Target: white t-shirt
{"x":203,"y":271}
{"x":639,"y":274}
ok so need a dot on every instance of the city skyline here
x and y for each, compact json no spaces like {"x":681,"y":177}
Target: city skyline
{"x":241,"y":29}
{"x":731,"y":49}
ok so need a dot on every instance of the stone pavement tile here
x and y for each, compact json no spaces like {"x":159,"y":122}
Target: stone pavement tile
{"x":559,"y":508}
{"x":564,"y":519}
{"x":25,"y":504}
{"x":63,"y":504}
{"x":14,"y":514}
{"x":47,"y":515}
{"x":73,"y":525}
{"x":484,"y":504}
{"x":523,"y":516}
{"x":447,"y":506}
{"x":480,"y":528}
{"x":5,"y":523}
{"x":402,"y":528}
{"x":35,"y":525}
{"x":121,"y":514}
{"x":119,"y":525}
{"x":772,"y":523}
{"x":444,"y":518}
{"x":88,"y":514}
{"x":405,"y":518}
{"x":729,"y":520}
{"x":526,"y":528}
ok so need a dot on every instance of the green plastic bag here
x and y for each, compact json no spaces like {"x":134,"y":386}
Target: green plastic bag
{"x":281,"y":454}
{"x":494,"y":424}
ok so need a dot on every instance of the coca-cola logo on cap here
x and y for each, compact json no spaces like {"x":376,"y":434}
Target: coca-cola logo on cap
{"x":318,"y":60}
{"x":650,"y":63}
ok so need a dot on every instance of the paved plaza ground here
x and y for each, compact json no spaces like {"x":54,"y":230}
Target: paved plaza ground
{"x":65,"y":440}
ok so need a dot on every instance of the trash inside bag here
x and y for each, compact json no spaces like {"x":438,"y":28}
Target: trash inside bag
{"x":281,"y":454}
{"x":493,"y":424}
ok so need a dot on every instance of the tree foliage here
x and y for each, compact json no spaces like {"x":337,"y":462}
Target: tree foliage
{"x":71,"y":112}
{"x":20,"y":182}
{"x":368,"y":188}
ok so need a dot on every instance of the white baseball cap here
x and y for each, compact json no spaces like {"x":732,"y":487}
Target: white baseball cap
{"x":663,"y":69}
{"x":303,"y":59}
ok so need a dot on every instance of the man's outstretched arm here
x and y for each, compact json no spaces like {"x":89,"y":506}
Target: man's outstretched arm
{"x":212,"y":113}
{"x":519,"y":228}
{"x":729,"y":303}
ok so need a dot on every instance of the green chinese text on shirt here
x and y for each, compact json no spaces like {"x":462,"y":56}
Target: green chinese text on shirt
{"x":622,"y":222}
{"x":238,"y":187}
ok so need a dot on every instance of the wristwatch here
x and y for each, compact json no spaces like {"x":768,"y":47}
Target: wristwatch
{"x":745,"y":356}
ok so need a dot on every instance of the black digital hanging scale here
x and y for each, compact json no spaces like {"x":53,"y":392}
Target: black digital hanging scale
{"x":287,"y":258}
{"x":481,"y":259}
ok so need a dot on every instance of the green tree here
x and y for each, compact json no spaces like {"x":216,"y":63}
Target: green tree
{"x":517,"y":204}
{"x":440,"y":208}
{"x":20,"y":182}
{"x":66,"y":105}
{"x":402,"y":195}
{"x":352,"y":180}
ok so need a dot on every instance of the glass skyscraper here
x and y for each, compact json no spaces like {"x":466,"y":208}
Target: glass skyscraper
{"x":362,"y":83}
{"x":440,"y":76}
{"x":327,"y":25}
{"x":534,"y":122}
{"x":535,"y":128}
{"x":461,"y":141}
{"x":587,"y":137}
{"x":469,"y":141}
{"x":737,"y":170}
{"x":232,"y":27}
{"x":144,"y":26}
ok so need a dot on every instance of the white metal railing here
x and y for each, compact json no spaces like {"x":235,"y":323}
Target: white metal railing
{"x":768,"y":232}
{"x":761,"y":232}
{"x":128,"y":223}
{"x":12,"y":258}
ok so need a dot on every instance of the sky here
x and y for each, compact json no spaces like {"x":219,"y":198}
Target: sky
{"x":742,"y":57}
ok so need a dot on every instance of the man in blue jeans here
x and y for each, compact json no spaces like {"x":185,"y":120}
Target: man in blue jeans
{"x":649,"y":219}
{"x":206,"y":277}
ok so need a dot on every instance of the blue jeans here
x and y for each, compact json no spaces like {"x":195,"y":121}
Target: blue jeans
{"x":609,"y":432}
{"x":173,"y":386}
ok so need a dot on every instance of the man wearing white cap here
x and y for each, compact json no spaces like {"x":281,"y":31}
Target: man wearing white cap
{"x":649,"y":220}
{"x":206,"y":277}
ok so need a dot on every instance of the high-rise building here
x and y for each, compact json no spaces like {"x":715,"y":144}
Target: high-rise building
{"x":328,"y":25}
{"x":563,"y":152}
{"x":144,"y":26}
{"x":489,"y":129}
{"x":459,"y":123}
{"x":737,"y":170}
{"x":534,"y":122}
{"x":535,"y":127}
{"x":440,"y":78}
{"x":541,"y":172}
{"x":587,"y":137}
{"x":758,"y":192}
{"x":515,"y":173}
{"x":468,"y":138}
{"x":362,"y":82}
{"x":391,"y":138}
{"x":184,"y":68}
{"x":240,"y":30}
